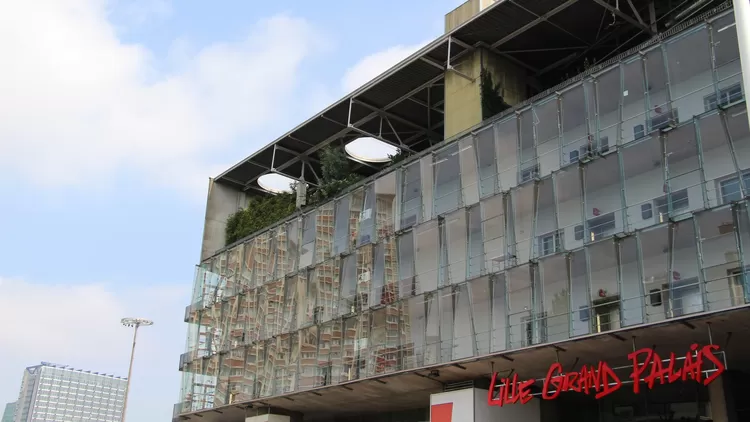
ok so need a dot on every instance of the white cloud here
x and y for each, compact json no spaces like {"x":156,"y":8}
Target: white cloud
{"x":79,"y":325}
{"x":80,"y":105}
{"x":373,"y":65}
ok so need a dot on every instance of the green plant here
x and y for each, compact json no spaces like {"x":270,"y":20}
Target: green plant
{"x":492,"y":100}
{"x":336,"y":174}
{"x":397,"y":157}
{"x":260,"y":212}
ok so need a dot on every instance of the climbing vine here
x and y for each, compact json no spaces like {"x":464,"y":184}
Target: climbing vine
{"x":336,"y":175}
{"x":260,"y":212}
{"x":492,"y":99}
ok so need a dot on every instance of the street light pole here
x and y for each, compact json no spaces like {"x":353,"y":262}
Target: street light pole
{"x":136,"y":323}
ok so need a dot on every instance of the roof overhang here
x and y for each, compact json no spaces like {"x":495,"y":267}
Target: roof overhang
{"x":551,"y":39}
{"x":411,"y":389}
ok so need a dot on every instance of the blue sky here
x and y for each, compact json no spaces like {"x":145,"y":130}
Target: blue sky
{"x":114,"y":115}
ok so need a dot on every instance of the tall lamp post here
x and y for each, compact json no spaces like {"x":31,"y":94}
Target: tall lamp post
{"x":135,"y":323}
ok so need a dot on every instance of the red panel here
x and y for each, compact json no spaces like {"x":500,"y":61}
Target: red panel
{"x":441,"y":412}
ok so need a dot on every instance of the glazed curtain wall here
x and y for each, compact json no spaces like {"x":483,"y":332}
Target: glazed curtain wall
{"x":500,"y":240}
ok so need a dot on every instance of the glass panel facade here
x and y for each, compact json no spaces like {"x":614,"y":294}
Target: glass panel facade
{"x":617,"y":201}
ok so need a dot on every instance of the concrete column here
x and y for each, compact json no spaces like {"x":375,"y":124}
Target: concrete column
{"x":222,"y":202}
{"x":463,"y":99}
{"x":742,"y":19}
{"x":268,"y":418}
{"x":717,"y":398}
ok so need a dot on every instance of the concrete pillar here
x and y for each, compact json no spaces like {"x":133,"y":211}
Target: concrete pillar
{"x":463,"y":99}
{"x":222,"y":202}
{"x":718,"y":400}
{"x":742,"y":19}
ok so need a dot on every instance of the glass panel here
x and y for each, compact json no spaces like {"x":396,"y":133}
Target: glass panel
{"x":291,"y":302}
{"x":718,"y":163}
{"x":310,"y":375}
{"x":216,"y":366}
{"x":469,"y":182}
{"x":234,"y":260}
{"x":690,"y":75}
{"x":272,"y":256}
{"x":447,"y":180}
{"x":348,"y":302}
{"x":413,"y":326}
{"x":726,"y":57}
{"x":493,"y":227}
{"x":608,"y":94}
{"x":519,"y":306}
{"x":385,"y":205}
{"x":307,"y":247}
{"x":455,"y":244}
{"x":484,"y":149}
{"x":248,"y":316}
{"x":476,"y":243}
{"x":292,"y":236}
{"x":575,"y":130}
{"x":253,"y":361}
{"x":329,"y":353}
{"x":328,"y":287}
{"x":684,"y":174}
{"x":579,"y":294}
{"x":644,"y":182}
{"x":547,"y":129}
{"x":411,"y":195}
{"x":604,"y":208}
{"x":556,"y":297}
{"x":356,"y":336}
{"x":656,"y":277}
{"x":307,"y":313}
{"x":385,"y":273}
{"x":506,"y":133}
{"x":569,"y":191}
{"x":523,"y":211}
{"x":341,"y":236}
{"x":384,"y":341}
{"x":356,"y":212}
{"x":427,"y":164}
{"x":685,"y":290}
{"x":605,"y":292}
{"x":499,"y":312}
{"x":658,"y":93}
{"x":427,"y":252}
{"x":529,"y":165}
{"x":364,"y":276}
{"x":447,"y":316}
{"x":481,"y":300}
{"x":432,"y":328}
{"x":739,"y":135}
{"x":367,"y":217}
{"x":463,"y":329}
{"x":282,"y":252}
{"x":633,"y":100}
{"x":247,"y":275}
{"x":547,"y":239}
{"x":720,"y":259}
{"x":631,"y":285}
{"x":740,"y":277}
{"x":273,"y":310}
{"x":407,"y":281}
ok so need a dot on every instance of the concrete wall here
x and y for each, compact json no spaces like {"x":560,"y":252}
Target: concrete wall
{"x":463,"y":100}
{"x":222,"y":202}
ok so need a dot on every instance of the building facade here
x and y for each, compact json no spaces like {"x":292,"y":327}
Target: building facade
{"x":599,"y":217}
{"x":58,"y":393}
{"x":10,"y":411}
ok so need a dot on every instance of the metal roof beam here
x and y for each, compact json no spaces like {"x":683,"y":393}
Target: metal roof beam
{"x":533,"y":23}
{"x":346,"y":130}
{"x":392,"y":116}
{"x":624,"y":16}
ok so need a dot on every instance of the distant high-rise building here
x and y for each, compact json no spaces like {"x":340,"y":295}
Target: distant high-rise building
{"x":59,"y":393}
{"x":10,"y":409}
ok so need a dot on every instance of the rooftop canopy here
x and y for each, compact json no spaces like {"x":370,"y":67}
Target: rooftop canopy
{"x":551,"y":39}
